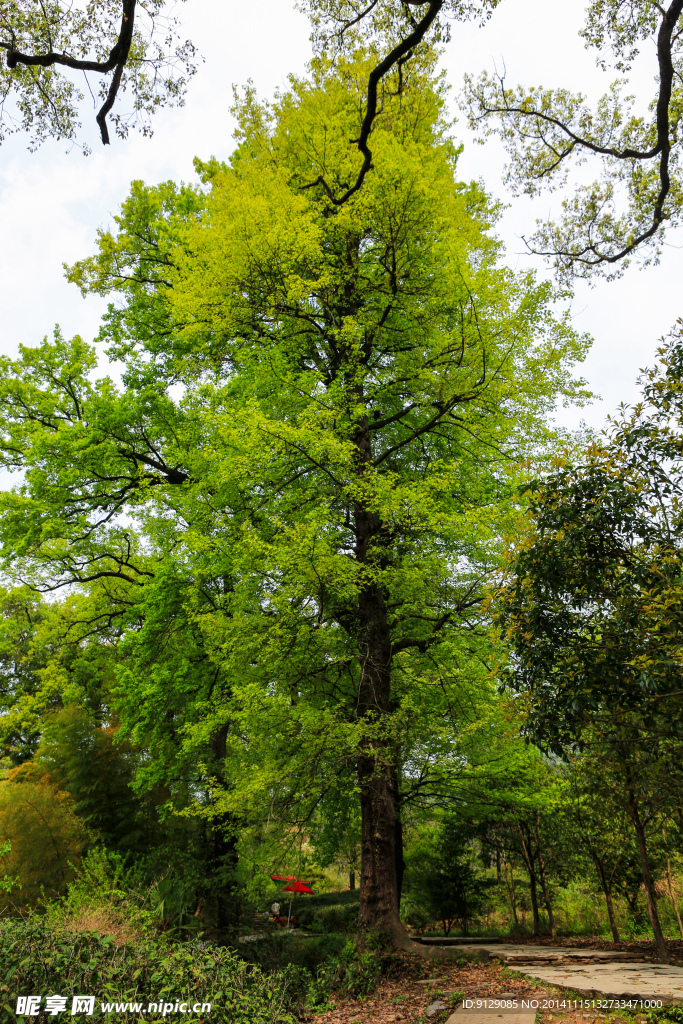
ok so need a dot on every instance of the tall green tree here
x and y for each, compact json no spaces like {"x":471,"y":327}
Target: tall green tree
{"x":313,"y":448}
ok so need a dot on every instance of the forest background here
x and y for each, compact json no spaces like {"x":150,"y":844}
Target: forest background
{"x":139,"y":722}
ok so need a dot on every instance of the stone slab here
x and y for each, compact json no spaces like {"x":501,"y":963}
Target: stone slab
{"x":514,"y":955}
{"x":458,"y":940}
{"x":618,"y":981}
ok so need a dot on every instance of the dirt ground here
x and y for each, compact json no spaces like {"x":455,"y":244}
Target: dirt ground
{"x":413,"y":984}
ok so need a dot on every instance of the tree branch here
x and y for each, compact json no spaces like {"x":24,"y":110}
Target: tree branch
{"x":400,"y":53}
{"x":116,"y":61}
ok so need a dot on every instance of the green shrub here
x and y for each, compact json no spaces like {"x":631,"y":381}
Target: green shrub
{"x":38,"y":960}
{"x":104,"y":897}
{"x":335,"y":919}
{"x":413,"y":915}
{"x":666,"y":1015}
{"x":330,"y":912}
{"x":281,"y":948}
{"x":354,"y":973}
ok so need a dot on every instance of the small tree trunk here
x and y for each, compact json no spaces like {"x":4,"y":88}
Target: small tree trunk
{"x":529,"y":861}
{"x":608,"y":894}
{"x":544,"y":887}
{"x":498,"y":865}
{"x":534,"y":904}
{"x":672,"y":895}
{"x":398,"y":840}
{"x":510,"y":886}
{"x":352,"y":879}
{"x":647,"y":879}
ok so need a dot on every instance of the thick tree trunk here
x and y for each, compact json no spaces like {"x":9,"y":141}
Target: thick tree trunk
{"x":647,"y":879}
{"x":377,"y":778}
{"x":544,"y":887}
{"x":219,"y":895}
{"x":378,"y":886}
{"x":606,"y":888}
{"x":381,"y":851}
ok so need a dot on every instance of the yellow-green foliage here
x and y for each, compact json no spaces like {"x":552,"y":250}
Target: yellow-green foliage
{"x":47,"y":838}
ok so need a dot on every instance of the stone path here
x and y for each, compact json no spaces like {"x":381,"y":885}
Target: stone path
{"x":589,"y":972}
{"x":623,"y":981}
{"x":513,"y":954}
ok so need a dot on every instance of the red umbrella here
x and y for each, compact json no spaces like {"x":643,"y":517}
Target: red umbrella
{"x":298,"y":886}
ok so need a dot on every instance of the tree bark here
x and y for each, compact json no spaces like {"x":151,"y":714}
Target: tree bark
{"x":376,"y":774}
{"x":647,"y":879}
{"x":352,"y":879}
{"x":378,"y":887}
{"x":375,"y":764}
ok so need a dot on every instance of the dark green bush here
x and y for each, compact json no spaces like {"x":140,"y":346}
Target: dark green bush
{"x":307,"y":953}
{"x":313,"y":952}
{"x":330,"y":912}
{"x":39,"y":961}
{"x":335,"y":919}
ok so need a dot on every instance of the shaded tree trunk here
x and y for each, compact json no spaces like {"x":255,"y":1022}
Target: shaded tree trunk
{"x":607,"y":890}
{"x":219,"y":896}
{"x":534,"y":903}
{"x":376,"y":775}
{"x":378,"y":886}
{"x":510,"y":886}
{"x":352,"y":879}
{"x":528,"y":855}
{"x":647,"y":878}
{"x":544,"y":887}
{"x":398,"y":840}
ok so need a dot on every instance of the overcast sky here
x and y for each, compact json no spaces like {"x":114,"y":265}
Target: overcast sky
{"x":51,"y":203}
